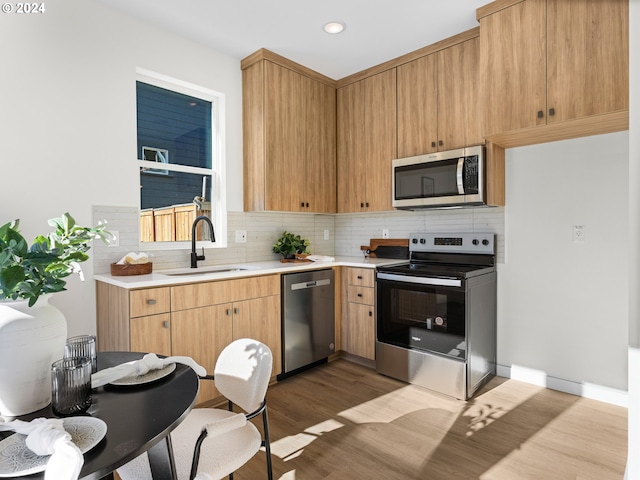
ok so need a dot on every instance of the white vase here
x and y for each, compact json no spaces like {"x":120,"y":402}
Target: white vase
{"x":31,"y":339}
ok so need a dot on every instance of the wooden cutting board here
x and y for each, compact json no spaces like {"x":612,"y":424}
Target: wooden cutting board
{"x":387,"y":248}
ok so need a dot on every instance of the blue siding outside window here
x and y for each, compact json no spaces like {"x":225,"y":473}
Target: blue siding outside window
{"x":178,"y":126}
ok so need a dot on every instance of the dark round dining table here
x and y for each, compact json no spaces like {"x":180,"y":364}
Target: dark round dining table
{"x":139,"y":419}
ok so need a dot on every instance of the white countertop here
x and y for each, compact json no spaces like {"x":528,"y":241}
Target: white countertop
{"x":162,"y":278}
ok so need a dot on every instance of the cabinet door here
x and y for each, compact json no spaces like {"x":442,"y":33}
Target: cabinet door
{"x":417,"y":107}
{"x":350,"y":148}
{"x":151,"y":334}
{"x":284,"y":140}
{"x":587,"y":59}
{"x":320,"y":147}
{"x":202,"y":333}
{"x":513,"y":67}
{"x":380,"y":138}
{"x":458,"y":96}
{"x":259,"y":319}
{"x":361,"y":330}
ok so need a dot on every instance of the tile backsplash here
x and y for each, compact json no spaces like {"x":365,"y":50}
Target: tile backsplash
{"x":347,"y":232}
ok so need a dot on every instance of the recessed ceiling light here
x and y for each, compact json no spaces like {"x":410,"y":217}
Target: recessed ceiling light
{"x":334,"y":27}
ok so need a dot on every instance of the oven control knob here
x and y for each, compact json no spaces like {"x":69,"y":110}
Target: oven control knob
{"x":475,"y":241}
{"x":414,"y":240}
{"x":485,"y":242}
{"x":423,"y":241}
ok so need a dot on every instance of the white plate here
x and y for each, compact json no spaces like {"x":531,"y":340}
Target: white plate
{"x":151,"y":376}
{"x":17,"y":460}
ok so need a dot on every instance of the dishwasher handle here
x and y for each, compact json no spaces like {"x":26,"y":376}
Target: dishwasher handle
{"x":311,"y":284}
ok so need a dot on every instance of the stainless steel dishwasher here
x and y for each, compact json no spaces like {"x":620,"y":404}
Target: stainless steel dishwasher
{"x":308,"y":332}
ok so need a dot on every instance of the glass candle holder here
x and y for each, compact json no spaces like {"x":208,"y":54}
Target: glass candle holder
{"x":71,"y":386}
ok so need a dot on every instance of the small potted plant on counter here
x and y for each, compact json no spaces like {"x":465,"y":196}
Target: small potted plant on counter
{"x":289,"y":245}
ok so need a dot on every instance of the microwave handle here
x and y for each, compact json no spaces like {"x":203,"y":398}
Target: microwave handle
{"x":459,"y":176}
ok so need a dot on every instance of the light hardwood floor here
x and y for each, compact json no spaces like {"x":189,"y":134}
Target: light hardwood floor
{"x":344,"y":421}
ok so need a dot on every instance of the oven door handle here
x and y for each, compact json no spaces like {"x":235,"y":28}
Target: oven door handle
{"x":445,"y":282}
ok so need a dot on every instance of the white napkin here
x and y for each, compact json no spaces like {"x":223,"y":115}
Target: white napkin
{"x":139,"y":367}
{"x":47,"y":436}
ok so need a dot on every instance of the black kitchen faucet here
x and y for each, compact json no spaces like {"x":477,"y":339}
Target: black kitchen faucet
{"x":194,"y":256}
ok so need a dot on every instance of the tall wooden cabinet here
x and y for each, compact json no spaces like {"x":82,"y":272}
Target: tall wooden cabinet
{"x":366,"y":143}
{"x":545,"y":63}
{"x":438,"y":97}
{"x":289,"y":136}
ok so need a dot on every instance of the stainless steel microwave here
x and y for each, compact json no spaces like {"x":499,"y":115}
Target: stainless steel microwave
{"x":443,"y":179}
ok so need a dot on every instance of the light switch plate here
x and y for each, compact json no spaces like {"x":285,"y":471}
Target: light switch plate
{"x":579,"y":234}
{"x":326,"y":234}
{"x":241,"y":236}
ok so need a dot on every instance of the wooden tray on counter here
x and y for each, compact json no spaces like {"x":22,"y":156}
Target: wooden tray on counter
{"x":121,"y":270}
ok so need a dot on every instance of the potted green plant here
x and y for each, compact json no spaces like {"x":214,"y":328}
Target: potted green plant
{"x":33,"y":332}
{"x":28,"y":272}
{"x":290,"y":244}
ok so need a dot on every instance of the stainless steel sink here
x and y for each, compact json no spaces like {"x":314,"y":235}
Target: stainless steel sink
{"x":207,"y":270}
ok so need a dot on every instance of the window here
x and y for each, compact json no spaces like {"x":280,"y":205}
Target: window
{"x":180,"y":158}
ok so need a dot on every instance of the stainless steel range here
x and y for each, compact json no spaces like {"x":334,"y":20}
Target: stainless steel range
{"x":436,"y":314}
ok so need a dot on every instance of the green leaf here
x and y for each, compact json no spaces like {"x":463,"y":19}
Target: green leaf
{"x":10,"y":277}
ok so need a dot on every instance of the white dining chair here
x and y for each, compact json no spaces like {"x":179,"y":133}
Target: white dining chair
{"x":212,"y":443}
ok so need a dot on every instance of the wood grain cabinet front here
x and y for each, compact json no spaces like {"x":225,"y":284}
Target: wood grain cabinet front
{"x":358,"y":326}
{"x":553,"y":69}
{"x":196,"y":320}
{"x":438,"y":97}
{"x":366,"y":143}
{"x":289,"y":125}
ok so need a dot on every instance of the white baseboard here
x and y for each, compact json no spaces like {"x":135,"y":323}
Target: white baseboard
{"x":588,"y":390}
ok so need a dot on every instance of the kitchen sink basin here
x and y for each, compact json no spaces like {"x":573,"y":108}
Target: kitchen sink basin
{"x":206,"y":270}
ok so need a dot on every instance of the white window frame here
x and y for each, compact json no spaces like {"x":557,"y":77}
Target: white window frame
{"x":217,"y":192}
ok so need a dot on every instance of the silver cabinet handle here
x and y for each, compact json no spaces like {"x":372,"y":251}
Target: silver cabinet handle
{"x":236,"y":311}
{"x":166,"y":324}
{"x":228,"y":311}
{"x":151,"y":301}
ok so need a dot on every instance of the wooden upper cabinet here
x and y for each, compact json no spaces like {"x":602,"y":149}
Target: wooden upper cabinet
{"x":512,"y":67}
{"x":366,"y":143}
{"x":350,"y":147}
{"x":459,"y":122}
{"x":557,"y":64}
{"x":438,"y":101}
{"x":288,"y":136}
{"x":418,"y":107}
{"x":284,"y":135}
{"x":587,"y":58}
{"x":320,"y":146}
{"x":380,"y":138}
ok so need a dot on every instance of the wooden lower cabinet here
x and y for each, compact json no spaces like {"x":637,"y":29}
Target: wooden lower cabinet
{"x":151,"y":334}
{"x":361,"y":337}
{"x":202,"y":333}
{"x":358,"y":324}
{"x":196,"y":320}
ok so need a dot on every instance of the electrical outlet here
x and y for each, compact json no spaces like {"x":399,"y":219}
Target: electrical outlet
{"x":115,"y":241}
{"x":326,"y":234}
{"x":579,"y":234}
{"x":385,"y":233}
{"x":241,"y":236}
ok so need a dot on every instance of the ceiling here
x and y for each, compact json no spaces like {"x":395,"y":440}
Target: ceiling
{"x":376,"y":30}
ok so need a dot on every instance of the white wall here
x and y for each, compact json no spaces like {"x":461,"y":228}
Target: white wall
{"x":68,"y":118}
{"x":563,"y":306}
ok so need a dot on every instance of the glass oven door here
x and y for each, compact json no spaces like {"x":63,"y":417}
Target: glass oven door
{"x":422,"y":314}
